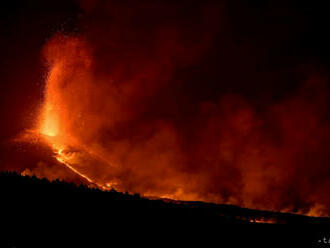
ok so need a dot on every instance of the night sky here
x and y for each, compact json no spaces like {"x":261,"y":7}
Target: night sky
{"x":262,"y":49}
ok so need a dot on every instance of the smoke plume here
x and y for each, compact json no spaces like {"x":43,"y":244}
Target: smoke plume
{"x":158,"y":99}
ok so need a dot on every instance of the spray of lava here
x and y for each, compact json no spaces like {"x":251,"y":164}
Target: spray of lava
{"x":54,"y":124}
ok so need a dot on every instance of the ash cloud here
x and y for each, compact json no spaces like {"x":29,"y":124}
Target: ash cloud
{"x":182,"y":108}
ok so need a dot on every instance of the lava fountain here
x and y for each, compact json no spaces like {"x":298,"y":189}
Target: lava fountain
{"x":52,"y":126}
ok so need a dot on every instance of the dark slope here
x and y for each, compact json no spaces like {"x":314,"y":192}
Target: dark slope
{"x":40,"y":213}
{"x":44,"y":199}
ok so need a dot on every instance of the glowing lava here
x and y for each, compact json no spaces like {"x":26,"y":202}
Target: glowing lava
{"x":53,"y":122}
{"x":49,"y":125}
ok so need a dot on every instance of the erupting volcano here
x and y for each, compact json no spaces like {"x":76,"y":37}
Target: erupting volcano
{"x":184,"y":101}
{"x":53,"y":124}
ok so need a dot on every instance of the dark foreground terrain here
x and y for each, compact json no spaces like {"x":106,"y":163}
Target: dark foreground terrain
{"x":31,"y":206}
{"x":39,"y":197}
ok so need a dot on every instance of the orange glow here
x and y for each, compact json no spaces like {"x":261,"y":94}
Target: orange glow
{"x":263,"y":220}
{"x":53,"y":121}
{"x":98,"y":126}
{"x":49,"y":125}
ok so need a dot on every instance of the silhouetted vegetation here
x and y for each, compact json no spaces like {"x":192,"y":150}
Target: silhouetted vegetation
{"x":39,"y":198}
{"x":32,"y":208}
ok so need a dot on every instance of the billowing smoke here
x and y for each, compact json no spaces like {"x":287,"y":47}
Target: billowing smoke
{"x":161,"y":99}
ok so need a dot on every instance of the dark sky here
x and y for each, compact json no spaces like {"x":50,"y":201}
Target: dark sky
{"x":262,"y":50}
{"x":25,"y":27}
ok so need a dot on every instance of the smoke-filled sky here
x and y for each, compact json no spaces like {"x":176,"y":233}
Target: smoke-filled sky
{"x":223,"y":101}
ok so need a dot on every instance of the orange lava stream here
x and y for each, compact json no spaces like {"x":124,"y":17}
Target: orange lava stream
{"x":63,"y":159}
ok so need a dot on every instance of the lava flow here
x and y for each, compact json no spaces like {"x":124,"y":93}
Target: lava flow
{"x":69,"y":157}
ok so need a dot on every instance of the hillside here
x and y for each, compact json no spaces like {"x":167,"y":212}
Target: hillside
{"x":39,"y":197}
{"x":38,"y":212}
